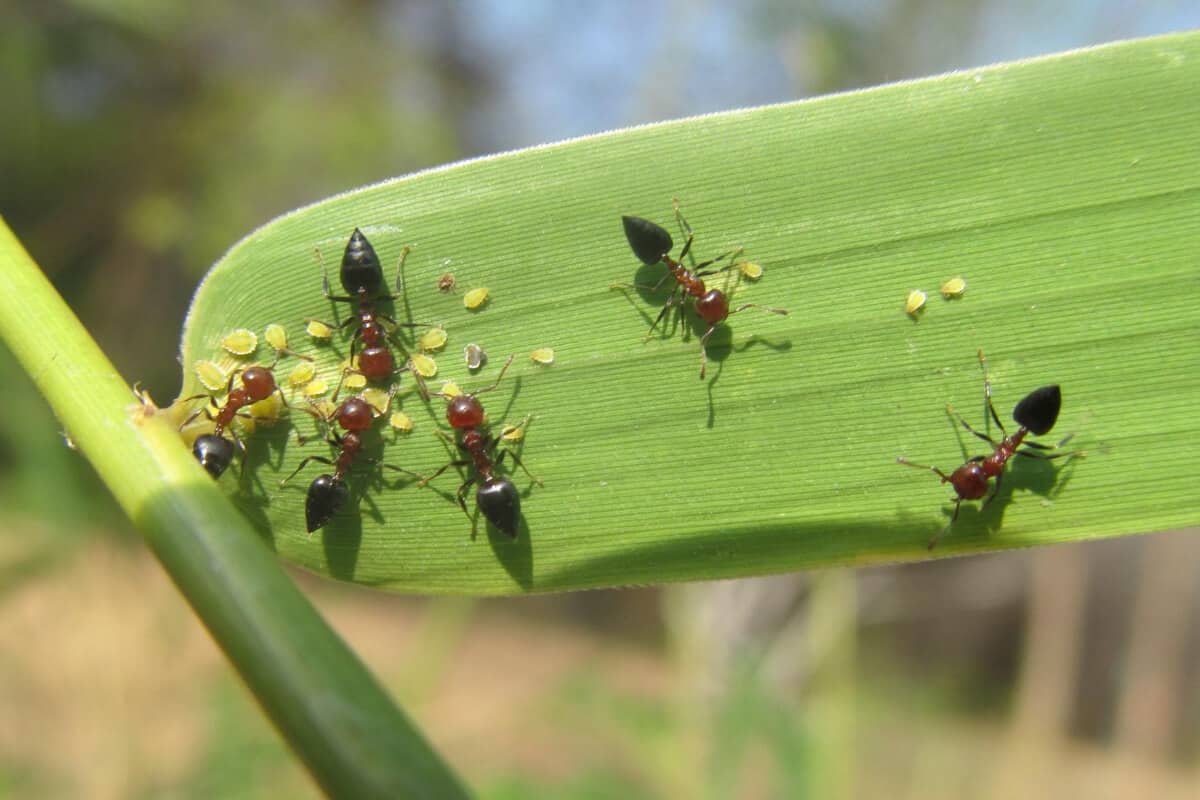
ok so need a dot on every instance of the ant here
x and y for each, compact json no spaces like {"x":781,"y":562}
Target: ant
{"x":213,"y":450}
{"x":327,"y":493}
{"x":362,"y":279}
{"x":1036,"y":413}
{"x":652,"y":244}
{"x":496,"y":497}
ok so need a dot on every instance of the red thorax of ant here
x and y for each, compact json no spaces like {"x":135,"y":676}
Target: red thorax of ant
{"x":362,"y":279}
{"x":213,"y":450}
{"x":496,"y":496}
{"x":1035,"y":414}
{"x":652,"y":244}
{"x":328,"y":493}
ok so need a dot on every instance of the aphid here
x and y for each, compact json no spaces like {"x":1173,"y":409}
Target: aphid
{"x":542,"y":355}
{"x":213,"y":450}
{"x":276,"y":336}
{"x":328,"y":493}
{"x":432,"y":339}
{"x":302,"y":374}
{"x":750,"y":270}
{"x":953,"y":288}
{"x":316,"y":388}
{"x":362,"y":279}
{"x":401,"y":422}
{"x":424,"y":366}
{"x":652,"y":244}
{"x":496,"y":496}
{"x":474,"y":356}
{"x":318,"y":330}
{"x":240,"y":342}
{"x":915,"y":302}
{"x":475,"y":298}
{"x":1036,"y":413}
{"x":211,"y":376}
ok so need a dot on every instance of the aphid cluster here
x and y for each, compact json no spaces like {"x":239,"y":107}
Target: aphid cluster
{"x":376,"y":356}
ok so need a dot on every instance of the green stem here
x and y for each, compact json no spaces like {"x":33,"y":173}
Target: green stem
{"x":342,"y":724}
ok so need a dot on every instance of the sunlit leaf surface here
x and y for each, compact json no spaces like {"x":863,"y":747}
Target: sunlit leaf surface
{"x":1065,"y":192}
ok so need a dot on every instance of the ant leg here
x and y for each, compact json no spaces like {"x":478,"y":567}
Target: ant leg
{"x":653,"y":288}
{"x":945,"y":478}
{"x":325,"y":280}
{"x":461,"y":494}
{"x":987,"y":395}
{"x":684,"y":228}
{"x":499,"y":377}
{"x":400,"y":269}
{"x":950,"y":410}
{"x":304,"y":463}
{"x":661,"y":314}
{"x":704,"y":349}
{"x":408,"y":472}
{"x":995,"y":491}
{"x":767,"y":309}
{"x":425,"y":481}
{"x":933,"y":542}
{"x":700,"y":272}
{"x":521,"y":464}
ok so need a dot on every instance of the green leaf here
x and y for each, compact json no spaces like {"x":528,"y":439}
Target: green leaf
{"x":1065,"y":190}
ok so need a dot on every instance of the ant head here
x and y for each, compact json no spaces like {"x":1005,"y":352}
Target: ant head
{"x":464,"y":411}
{"x":1039,"y":410}
{"x":497,"y":498}
{"x":354,"y":414}
{"x":648,"y":241}
{"x":361,"y":269}
{"x":258,"y":382}
{"x":215,"y":453}
{"x":325,"y":496}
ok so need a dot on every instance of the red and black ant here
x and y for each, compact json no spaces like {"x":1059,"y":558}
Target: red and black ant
{"x":362,"y":279}
{"x":652,"y":244}
{"x":327,"y":493}
{"x":1036,"y":413}
{"x":496,"y":497}
{"x":213,"y":450}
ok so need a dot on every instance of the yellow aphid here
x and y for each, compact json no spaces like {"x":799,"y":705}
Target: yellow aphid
{"x":432,"y":339}
{"x":475,"y":298}
{"x":265,"y":411}
{"x":451,"y":389}
{"x":401,"y":422}
{"x":318,"y":330}
{"x":915,"y":302}
{"x":302,"y":374}
{"x":355,"y":380}
{"x":378,"y":399}
{"x":276,"y":336}
{"x":425,"y":366}
{"x":953,"y":288}
{"x":542,"y":355}
{"x":512,"y":433}
{"x":750,"y":270}
{"x":316,"y":388}
{"x":326,"y":408}
{"x":474,"y":356}
{"x":211,"y":375}
{"x":240,"y":342}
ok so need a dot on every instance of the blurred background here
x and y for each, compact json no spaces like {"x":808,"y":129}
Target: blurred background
{"x":141,"y":139}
